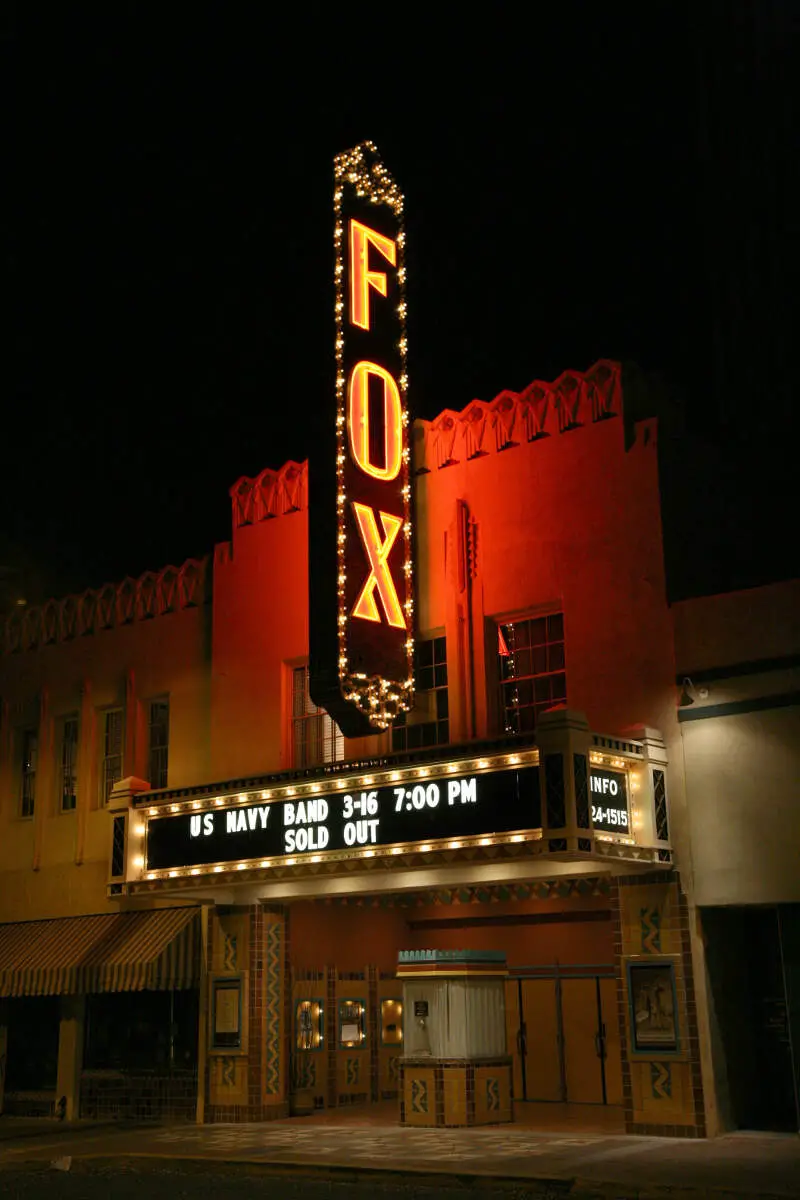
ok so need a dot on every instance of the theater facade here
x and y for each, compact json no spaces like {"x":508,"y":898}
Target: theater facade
{"x":216,"y":906}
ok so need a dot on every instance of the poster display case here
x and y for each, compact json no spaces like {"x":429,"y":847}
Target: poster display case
{"x":352,"y":1024}
{"x":309,"y":1024}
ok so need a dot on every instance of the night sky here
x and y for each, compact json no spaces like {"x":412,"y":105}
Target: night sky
{"x":580,"y":184}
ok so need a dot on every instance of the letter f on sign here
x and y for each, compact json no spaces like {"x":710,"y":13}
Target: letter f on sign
{"x":361,"y":278}
{"x":379,"y":578}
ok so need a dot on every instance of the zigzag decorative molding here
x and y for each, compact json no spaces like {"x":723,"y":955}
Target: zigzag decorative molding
{"x":575,"y":399}
{"x":270,"y":494}
{"x":152,"y":595}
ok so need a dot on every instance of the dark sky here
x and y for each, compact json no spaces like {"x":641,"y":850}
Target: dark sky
{"x":580,"y":183}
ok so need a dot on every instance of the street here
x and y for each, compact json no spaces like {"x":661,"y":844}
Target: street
{"x":122,"y":1181}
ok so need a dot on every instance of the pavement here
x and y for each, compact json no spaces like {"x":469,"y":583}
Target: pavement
{"x":572,"y":1163}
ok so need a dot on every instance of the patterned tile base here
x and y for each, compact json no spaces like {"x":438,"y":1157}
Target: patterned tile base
{"x":330,"y":1142}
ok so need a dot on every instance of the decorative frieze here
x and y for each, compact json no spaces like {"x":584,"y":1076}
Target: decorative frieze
{"x":575,"y":399}
{"x":152,"y":595}
{"x":270,"y":494}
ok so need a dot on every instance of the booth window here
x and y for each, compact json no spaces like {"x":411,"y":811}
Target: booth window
{"x":30,"y":754}
{"x":428,"y":724}
{"x":158,"y":743}
{"x":532,"y":670}
{"x":113,"y":726}
{"x":316,"y":739}
{"x":68,"y":766}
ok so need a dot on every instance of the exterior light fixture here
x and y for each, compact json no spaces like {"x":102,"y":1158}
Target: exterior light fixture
{"x":690,"y":694}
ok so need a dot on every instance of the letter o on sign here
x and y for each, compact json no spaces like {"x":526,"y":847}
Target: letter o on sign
{"x":358,"y":421}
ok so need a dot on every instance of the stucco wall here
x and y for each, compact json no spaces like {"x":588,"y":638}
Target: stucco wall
{"x":741,"y":742}
{"x":58,"y":862}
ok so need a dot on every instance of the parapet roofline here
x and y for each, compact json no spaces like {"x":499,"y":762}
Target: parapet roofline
{"x":574,"y":400}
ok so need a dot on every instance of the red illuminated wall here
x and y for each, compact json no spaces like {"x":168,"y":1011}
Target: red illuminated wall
{"x":569,"y":522}
{"x":260,"y":624}
{"x":561,"y":516}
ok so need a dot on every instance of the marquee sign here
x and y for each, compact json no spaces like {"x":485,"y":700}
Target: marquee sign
{"x":372,"y":615}
{"x":402,"y":813}
{"x":609,"y":795}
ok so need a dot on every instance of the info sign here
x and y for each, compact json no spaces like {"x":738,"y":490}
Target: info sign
{"x":456,"y":806}
{"x":609,"y":794}
{"x":371,"y":620}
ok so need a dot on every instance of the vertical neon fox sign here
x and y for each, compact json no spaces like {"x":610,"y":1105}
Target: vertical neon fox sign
{"x":374,"y":614}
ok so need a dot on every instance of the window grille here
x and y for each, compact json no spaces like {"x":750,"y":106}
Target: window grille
{"x":316,"y":739}
{"x":409,"y":732}
{"x":532,"y":670}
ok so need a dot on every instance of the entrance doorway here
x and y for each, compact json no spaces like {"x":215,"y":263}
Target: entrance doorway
{"x":753,"y":958}
{"x":31,"y":1068}
{"x":563,"y":1031}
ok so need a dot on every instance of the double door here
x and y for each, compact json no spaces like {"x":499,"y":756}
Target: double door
{"x":563,"y":1031}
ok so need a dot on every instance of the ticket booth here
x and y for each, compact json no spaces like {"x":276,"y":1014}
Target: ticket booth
{"x":455,"y":1069}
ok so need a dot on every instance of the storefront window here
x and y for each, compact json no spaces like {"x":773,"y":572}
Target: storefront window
{"x":32,"y":1046}
{"x":141,"y":1030}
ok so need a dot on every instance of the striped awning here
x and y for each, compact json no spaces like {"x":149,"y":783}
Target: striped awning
{"x":112,"y":952}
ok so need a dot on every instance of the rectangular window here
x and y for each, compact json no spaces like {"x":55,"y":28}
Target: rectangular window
{"x":68,"y":766}
{"x":30,"y":754}
{"x":532,"y":670}
{"x":316,"y":738}
{"x":113,"y":730}
{"x":428,"y":724}
{"x":158,"y":743}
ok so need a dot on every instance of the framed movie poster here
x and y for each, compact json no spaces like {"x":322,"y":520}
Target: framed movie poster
{"x":653,"y":1007}
{"x":227,"y":1014}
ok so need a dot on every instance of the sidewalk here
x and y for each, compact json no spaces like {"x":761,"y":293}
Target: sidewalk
{"x":747,"y":1165}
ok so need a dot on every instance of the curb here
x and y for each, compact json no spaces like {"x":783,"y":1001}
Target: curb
{"x":573,"y":1187}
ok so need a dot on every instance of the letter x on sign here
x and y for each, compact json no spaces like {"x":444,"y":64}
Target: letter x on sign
{"x":379,"y":578}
